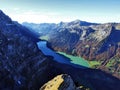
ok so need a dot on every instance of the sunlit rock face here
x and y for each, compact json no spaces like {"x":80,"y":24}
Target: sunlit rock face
{"x":60,"y":82}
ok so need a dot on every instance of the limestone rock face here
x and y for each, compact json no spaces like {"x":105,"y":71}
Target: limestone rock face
{"x":60,"y":82}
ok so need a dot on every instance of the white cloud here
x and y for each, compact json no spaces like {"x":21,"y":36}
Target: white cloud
{"x":16,"y":9}
{"x":102,"y":19}
{"x":54,"y":17}
{"x":36,"y":17}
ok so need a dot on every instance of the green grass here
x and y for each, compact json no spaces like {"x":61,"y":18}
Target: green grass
{"x":81,"y":61}
{"x":110,"y":63}
{"x":76,"y":59}
{"x":44,"y":38}
{"x":93,"y":64}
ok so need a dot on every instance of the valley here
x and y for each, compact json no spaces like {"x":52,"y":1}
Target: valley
{"x":59,"y":45}
{"x":76,"y":59}
{"x":97,"y":43}
{"x":62,"y":57}
{"x":27,"y":63}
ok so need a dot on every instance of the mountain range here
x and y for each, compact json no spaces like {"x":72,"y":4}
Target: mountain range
{"x":98,"y":43}
{"x":24,"y":67}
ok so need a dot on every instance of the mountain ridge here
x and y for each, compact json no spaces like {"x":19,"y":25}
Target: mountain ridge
{"x":24,"y":67}
{"x":92,"y":41}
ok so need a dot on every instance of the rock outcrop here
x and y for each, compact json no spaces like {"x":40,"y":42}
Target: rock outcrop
{"x":60,"y":82}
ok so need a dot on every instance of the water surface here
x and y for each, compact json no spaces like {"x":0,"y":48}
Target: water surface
{"x":42,"y":45}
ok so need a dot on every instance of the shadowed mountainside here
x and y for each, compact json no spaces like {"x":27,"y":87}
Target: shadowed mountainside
{"x":24,"y":67}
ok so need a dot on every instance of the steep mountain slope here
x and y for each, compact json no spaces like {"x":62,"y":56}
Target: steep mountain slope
{"x":20,"y":59}
{"x":24,"y":67}
{"x":95,"y":42}
{"x":46,"y":29}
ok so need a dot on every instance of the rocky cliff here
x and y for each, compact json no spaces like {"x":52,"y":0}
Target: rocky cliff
{"x":60,"y":82}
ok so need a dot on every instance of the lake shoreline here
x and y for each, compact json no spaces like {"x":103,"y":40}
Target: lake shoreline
{"x":42,"y":45}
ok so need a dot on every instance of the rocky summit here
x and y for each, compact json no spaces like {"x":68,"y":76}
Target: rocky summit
{"x":60,"y":82}
{"x":24,"y":67}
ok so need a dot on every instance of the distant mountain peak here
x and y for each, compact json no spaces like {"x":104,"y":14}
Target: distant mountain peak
{"x":4,"y":18}
{"x":77,"y":21}
{"x":82,"y":23}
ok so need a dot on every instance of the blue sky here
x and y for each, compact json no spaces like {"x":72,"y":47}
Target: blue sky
{"x":40,"y":11}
